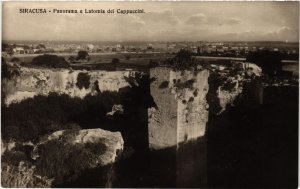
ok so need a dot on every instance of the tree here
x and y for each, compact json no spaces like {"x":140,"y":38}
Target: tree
{"x":71,"y":59}
{"x":51,"y":61}
{"x":7,"y":71}
{"x":83,"y":55}
{"x":4,"y":46}
{"x":115,"y":62}
{"x":183,"y":56}
{"x":15,"y":60}
{"x":41,"y":46}
{"x":127,"y":56}
{"x":269,"y":61}
{"x":182,"y":60}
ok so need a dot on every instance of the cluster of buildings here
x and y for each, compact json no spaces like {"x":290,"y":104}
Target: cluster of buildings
{"x":13,"y":49}
{"x":19,"y":49}
{"x":229,"y":49}
{"x":232,"y":49}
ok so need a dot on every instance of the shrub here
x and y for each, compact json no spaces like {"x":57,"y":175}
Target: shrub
{"x":228,"y":86}
{"x":7,"y":71}
{"x":13,"y":157}
{"x":182,"y":61}
{"x":16,"y":177}
{"x":127,"y":56}
{"x":50,"y":61}
{"x":83,"y":80}
{"x":32,"y":118}
{"x":71,"y":59}
{"x":269,"y":61}
{"x":83,"y":55}
{"x":62,"y":160}
{"x":164,"y":85}
{"x":153,"y":64}
{"x":115,"y":62}
{"x":15,"y":59}
{"x":22,"y":176}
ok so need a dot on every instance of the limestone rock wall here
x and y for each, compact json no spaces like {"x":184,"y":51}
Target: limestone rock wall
{"x":183,"y":100}
{"x":192,"y":108}
{"x":182,"y":111}
{"x":162,"y":120}
{"x":32,"y":81}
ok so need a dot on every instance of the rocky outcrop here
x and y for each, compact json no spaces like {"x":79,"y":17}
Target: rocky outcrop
{"x":162,"y":119}
{"x":37,"y":81}
{"x":113,"y":142}
{"x":181,"y":111}
{"x":184,"y":98}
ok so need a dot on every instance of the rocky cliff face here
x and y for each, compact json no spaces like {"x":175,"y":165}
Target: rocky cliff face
{"x":185,"y":98}
{"x":162,"y":120}
{"x":181,"y":111}
{"x":32,"y":81}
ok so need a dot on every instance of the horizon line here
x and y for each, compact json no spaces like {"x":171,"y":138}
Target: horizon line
{"x":146,"y":41}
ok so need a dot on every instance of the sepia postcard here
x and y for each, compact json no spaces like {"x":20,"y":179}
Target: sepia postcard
{"x":149,"y":94}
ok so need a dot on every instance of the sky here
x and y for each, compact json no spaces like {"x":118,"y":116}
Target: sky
{"x":162,"y":21}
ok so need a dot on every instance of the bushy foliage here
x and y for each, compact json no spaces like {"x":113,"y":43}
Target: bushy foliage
{"x":182,"y":61}
{"x":71,"y":59}
{"x":62,"y":160}
{"x":6,"y":71}
{"x":127,"y":56}
{"x":104,"y":66}
{"x":83,"y":80}
{"x":269,"y":61}
{"x":32,"y":118}
{"x":115,"y":62}
{"x":153,"y":64}
{"x":15,"y":59}
{"x":22,"y":176}
{"x":16,"y":177}
{"x":50,"y":61}
{"x":14,"y":157}
{"x":83,"y":55}
{"x":184,"y":56}
{"x":228,"y":85}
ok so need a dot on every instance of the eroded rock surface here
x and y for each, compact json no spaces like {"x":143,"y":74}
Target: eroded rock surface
{"x":181,"y":111}
{"x":184,"y":99}
{"x":37,"y":81}
{"x":113,"y":142}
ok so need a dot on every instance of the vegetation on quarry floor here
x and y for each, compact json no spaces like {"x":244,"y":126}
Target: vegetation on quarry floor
{"x":36,"y":118}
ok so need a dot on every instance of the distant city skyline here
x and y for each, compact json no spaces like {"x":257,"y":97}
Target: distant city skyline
{"x":162,"y":21}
